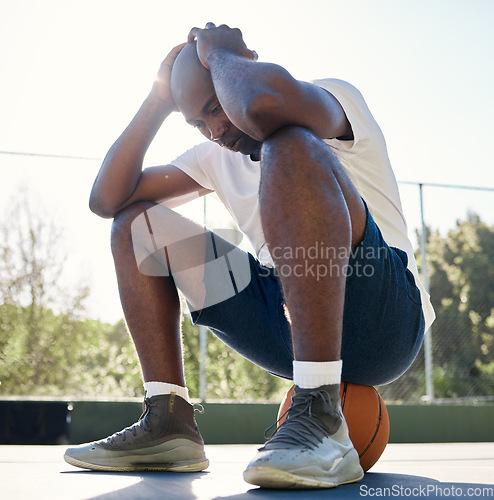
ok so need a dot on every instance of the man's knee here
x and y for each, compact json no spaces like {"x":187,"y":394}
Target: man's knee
{"x":299,"y":149}
{"x":121,"y":233}
{"x":288,"y":141}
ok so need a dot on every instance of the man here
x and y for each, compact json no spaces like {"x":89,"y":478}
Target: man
{"x":301,"y":166}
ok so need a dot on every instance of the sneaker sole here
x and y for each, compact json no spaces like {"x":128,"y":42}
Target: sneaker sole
{"x":268,"y":477}
{"x":347,"y":471}
{"x":177,"y":467}
{"x":177,"y":455}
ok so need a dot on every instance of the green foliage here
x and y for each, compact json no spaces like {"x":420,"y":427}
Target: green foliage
{"x":87,"y":358}
{"x":47,"y":348}
{"x":61,"y":356}
{"x":228,"y":375}
{"x":461,"y":276}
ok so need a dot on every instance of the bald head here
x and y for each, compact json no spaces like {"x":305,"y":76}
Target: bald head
{"x":188,"y":76}
{"x":195,"y":96}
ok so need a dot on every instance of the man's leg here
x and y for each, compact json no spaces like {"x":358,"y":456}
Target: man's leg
{"x":166,"y":436}
{"x":308,"y":201}
{"x":151,"y":306}
{"x":172,"y":253}
{"x":312,"y":217}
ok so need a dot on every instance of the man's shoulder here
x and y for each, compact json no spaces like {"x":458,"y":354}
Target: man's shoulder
{"x":350,"y":98}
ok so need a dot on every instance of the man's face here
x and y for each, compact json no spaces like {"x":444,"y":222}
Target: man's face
{"x":195,"y":96}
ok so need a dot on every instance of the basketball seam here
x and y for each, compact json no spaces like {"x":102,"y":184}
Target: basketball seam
{"x":343,"y":396}
{"x":377,"y":427}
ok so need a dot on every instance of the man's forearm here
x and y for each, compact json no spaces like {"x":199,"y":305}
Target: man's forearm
{"x":251,"y":93}
{"x":122,"y":165}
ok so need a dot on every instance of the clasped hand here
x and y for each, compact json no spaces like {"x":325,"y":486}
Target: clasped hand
{"x":212,"y":38}
{"x":209,"y":39}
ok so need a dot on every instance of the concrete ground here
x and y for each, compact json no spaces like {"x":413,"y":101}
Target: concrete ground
{"x":405,"y":470}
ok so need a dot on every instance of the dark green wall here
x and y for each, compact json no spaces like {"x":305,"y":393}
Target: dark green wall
{"x":234,"y":423}
{"x":46,"y":422}
{"x":445,"y":423}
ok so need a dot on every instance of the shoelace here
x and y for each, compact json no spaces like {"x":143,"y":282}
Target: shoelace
{"x":301,"y":426}
{"x":198,"y":408}
{"x":142,"y":423}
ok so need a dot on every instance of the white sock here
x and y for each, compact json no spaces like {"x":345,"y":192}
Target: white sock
{"x":312,"y":374}
{"x":162,"y":388}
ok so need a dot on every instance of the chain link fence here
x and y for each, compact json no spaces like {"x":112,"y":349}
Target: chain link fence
{"x":456,"y":361}
{"x":457,"y":222}
{"x":452,"y":227}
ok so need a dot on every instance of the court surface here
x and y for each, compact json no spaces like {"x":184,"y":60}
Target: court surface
{"x":459,"y":470}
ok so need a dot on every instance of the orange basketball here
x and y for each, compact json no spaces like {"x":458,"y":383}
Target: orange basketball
{"x":366,"y":416}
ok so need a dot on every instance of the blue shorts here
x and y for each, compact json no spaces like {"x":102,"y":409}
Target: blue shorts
{"x":383,"y":324}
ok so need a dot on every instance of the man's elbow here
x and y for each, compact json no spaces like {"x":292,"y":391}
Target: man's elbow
{"x":100,"y":209}
{"x":264,"y":114}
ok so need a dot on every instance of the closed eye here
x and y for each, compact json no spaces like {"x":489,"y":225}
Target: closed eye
{"x":216,"y":109}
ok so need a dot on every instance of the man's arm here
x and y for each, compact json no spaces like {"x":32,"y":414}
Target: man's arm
{"x":121,"y":180}
{"x":261,"y":98}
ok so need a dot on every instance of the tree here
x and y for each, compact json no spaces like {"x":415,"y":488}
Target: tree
{"x":30,"y":270}
{"x":49,"y":348}
{"x":462,"y":285}
{"x":461,"y":276}
{"x":228,"y":375}
{"x":46,"y":346}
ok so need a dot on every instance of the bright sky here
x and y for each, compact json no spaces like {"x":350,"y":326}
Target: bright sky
{"x":72,"y":75}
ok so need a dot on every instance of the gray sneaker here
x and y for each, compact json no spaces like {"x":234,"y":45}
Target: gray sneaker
{"x":311,"y":448}
{"x":165,"y":438}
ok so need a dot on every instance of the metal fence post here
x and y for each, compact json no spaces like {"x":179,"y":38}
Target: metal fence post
{"x":429,"y":386}
{"x":203,"y":338}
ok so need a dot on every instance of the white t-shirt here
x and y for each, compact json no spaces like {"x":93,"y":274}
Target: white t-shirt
{"x":235,"y":179}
